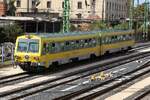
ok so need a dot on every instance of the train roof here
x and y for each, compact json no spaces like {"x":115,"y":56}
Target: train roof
{"x":47,"y":35}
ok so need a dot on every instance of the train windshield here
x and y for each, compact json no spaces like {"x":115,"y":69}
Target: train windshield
{"x":28,"y":45}
{"x":33,"y":47}
{"x":22,"y":46}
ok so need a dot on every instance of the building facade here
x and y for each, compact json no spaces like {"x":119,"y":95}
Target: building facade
{"x":2,"y":8}
{"x":79,"y":9}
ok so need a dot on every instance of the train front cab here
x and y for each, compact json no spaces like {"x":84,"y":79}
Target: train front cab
{"x":27,"y":52}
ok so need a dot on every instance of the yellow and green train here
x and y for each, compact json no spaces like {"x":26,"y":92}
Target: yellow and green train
{"x":33,"y":52}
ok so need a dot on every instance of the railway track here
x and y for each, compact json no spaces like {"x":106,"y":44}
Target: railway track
{"x":137,"y":47}
{"x":49,"y":83}
{"x":108,"y":85}
{"x":140,"y":94}
{"x":16,"y":78}
{"x":61,"y":79}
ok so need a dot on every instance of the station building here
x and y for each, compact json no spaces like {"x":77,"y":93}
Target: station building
{"x":79,"y":9}
{"x":50,"y":13}
{"x":2,"y":8}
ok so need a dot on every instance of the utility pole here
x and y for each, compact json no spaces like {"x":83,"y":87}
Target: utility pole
{"x":146,"y":19}
{"x":66,"y":19}
{"x":103,"y":10}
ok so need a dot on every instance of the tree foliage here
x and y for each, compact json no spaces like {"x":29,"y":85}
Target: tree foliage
{"x":122,"y":26}
{"x":11,"y":9}
{"x":9,"y":33}
{"x":138,"y":11}
{"x":97,"y":25}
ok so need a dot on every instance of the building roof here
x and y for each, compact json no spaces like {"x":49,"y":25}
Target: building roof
{"x":16,"y":18}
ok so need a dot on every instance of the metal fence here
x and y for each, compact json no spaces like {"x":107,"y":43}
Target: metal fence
{"x":7,"y":52}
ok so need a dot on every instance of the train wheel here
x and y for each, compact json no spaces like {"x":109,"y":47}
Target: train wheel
{"x":92,"y":56}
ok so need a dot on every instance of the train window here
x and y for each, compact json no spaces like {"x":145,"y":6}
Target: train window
{"x":93,"y":42}
{"x":90,"y":42}
{"x":119,"y":38}
{"x":124,"y":37}
{"x":108,"y":40}
{"x":22,"y":46}
{"x":116,"y":39}
{"x":81,"y":43}
{"x":112,"y":39}
{"x":130,"y":36}
{"x":77,"y":44}
{"x":72,"y":44}
{"x":53,"y":44}
{"x":49,"y":47}
{"x":86,"y":43}
{"x":77,"y":41}
{"x":103,"y":40}
{"x":33,"y":47}
{"x":44,"y":49}
{"x":57,"y":47}
{"x":53,"y":49}
{"x":67,"y":43}
{"x":62,"y":45}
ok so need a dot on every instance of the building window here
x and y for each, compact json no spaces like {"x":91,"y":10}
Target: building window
{"x":33,"y":3}
{"x":62,"y":4}
{"x":48,"y":4}
{"x":79,"y":5}
{"x":79,"y":16}
{"x":18,"y":3}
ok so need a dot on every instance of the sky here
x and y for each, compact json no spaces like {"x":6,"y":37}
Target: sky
{"x":141,"y":1}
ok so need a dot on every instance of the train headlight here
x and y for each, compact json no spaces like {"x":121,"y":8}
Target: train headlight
{"x":26,"y":57}
{"x":36,"y":58}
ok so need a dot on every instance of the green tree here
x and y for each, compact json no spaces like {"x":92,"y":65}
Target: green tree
{"x":73,"y":28}
{"x":97,"y":25}
{"x":122,"y":26}
{"x":138,"y":11}
{"x":11,"y":9}
{"x":10,"y":32}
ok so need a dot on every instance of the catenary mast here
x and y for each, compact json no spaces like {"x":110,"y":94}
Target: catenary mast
{"x":66,"y":21}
